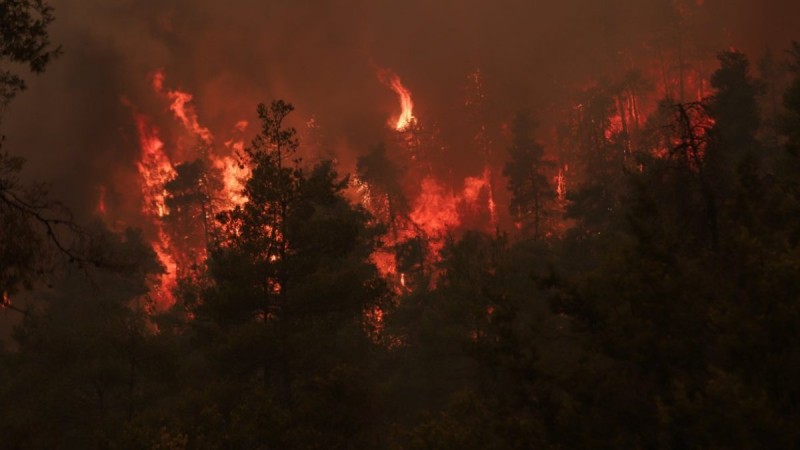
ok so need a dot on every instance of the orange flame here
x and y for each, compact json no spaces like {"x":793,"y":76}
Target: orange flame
{"x":435,"y":210}
{"x":233,"y":176}
{"x":385,"y":263}
{"x":167,"y":282}
{"x":232,"y":172}
{"x":406,"y":117}
{"x":439,"y":210}
{"x":181,"y":109}
{"x":155,"y":170}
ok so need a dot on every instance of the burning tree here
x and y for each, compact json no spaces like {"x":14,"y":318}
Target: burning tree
{"x":384,"y":179}
{"x":597,"y":141}
{"x":190,"y":218}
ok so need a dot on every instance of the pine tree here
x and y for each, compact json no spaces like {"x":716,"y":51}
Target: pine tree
{"x":532,"y":196}
{"x":290,"y":281}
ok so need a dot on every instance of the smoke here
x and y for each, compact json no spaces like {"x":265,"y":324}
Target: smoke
{"x":323,"y":56}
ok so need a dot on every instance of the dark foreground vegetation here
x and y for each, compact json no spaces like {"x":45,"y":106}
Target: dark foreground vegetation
{"x":665,"y":315}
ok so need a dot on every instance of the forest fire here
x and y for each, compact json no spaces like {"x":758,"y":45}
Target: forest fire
{"x":431,"y":201}
{"x":181,"y":108}
{"x":176,"y":250}
{"x":548,"y":225}
{"x":154,"y":167}
{"x":437,"y":209}
{"x":155,"y":170}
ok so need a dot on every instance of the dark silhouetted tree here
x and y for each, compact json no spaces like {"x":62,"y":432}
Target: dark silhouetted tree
{"x":532,"y":196}
{"x":78,"y":374}
{"x":290,"y":282}
{"x":24,"y":40}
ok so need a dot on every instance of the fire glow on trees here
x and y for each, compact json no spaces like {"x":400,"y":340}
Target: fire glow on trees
{"x":436,"y":208}
{"x":155,"y":170}
{"x":438,"y":200}
{"x":175,"y":251}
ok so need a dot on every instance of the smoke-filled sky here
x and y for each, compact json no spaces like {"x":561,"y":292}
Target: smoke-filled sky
{"x":323,"y":55}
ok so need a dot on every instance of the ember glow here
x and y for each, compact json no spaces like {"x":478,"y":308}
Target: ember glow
{"x":561,"y":183}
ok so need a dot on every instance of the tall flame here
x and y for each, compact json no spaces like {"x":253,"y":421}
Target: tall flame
{"x":406,"y":117}
{"x":155,"y":170}
{"x":232,"y":171}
